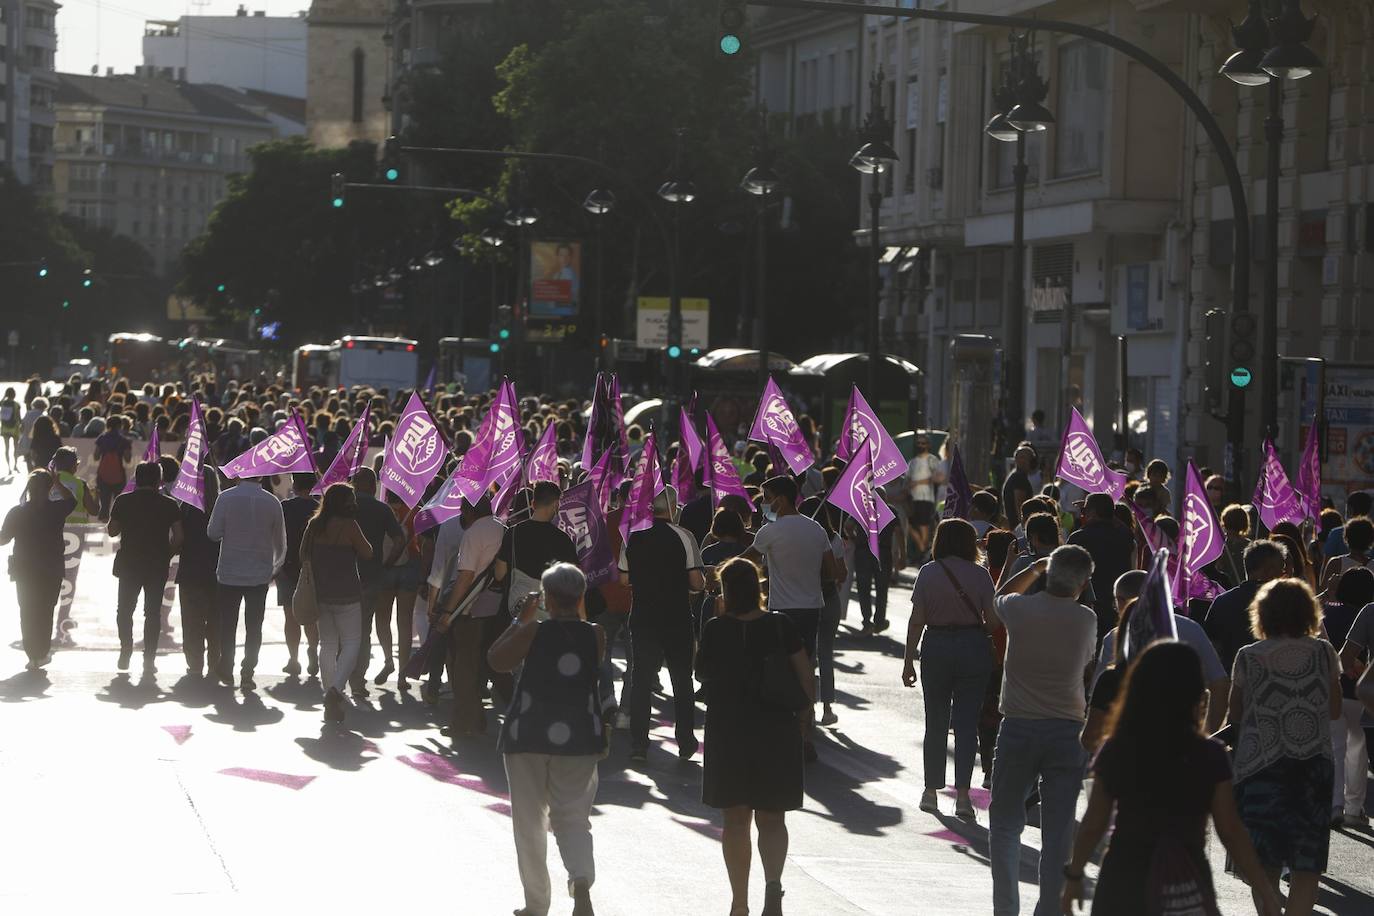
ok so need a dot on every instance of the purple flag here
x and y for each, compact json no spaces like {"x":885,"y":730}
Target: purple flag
{"x":446,"y":503}
{"x":687,"y":435}
{"x":1155,"y":539}
{"x":152,"y":453}
{"x":509,"y":485}
{"x":958,"y":494}
{"x":1080,"y":460}
{"x":1274,"y":497}
{"x":720,"y":475}
{"x":543,"y":461}
{"x":606,"y":429}
{"x":1152,"y":617}
{"x":415,"y":455}
{"x":1202,"y":537}
{"x":1310,"y":472}
{"x":496,"y":448}
{"x":581,"y":517}
{"x":683,"y":480}
{"x":853,"y":494}
{"x":430,"y":379}
{"x":600,"y":479}
{"x":287,"y":451}
{"x":648,"y":483}
{"x":189,"y":487}
{"x":860,"y":423}
{"x":595,"y":420}
{"x":351,"y":458}
{"x":775,"y":424}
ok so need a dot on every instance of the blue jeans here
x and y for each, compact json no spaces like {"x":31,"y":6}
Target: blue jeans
{"x":955,"y":665}
{"x":1027,"y":750}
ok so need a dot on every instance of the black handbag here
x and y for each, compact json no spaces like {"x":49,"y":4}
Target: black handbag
{"x":778,"y":685}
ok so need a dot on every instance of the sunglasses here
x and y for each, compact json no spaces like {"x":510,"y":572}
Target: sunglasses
{"x":1215,"y":487}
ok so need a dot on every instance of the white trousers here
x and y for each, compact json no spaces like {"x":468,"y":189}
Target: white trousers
{"x":340,"y":637}
{"x":1351,"y":757}
{"x":551,"y":792}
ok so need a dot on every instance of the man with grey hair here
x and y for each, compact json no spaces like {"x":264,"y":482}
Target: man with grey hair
{"x":553,"y":734}
{"x":1050,"y":642}
{"x":1228,"y":619}
{"x":662,"y":565}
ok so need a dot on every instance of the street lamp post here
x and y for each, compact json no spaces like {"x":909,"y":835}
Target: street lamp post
{"x":874,"y":158}
{"x":1023,"y":92}
{"x":677,"y":191}
{"x":521,"y":217}
{"x":762,"y":182}
{"x":1268,"y":54}
{"x":599,"y":203}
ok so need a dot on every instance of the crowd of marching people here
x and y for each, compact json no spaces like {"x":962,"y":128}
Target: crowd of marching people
{"x":1191,"y":655}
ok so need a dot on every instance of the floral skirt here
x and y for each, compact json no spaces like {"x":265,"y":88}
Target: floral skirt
{"x":1286,"y":807}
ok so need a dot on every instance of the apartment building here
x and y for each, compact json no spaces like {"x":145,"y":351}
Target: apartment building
{"x":150,"y":158}
{"x":249,"y":51}
{"x":28,"y":81}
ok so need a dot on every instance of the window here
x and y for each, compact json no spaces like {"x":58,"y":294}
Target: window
{"x":1082,"y":108}
{"x":913,"y":124}
{"x":359,"y":58}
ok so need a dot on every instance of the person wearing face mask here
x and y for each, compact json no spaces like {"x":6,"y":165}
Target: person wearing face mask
{"x":797,"y":553}
{"x":1134,"y":462}
{"x":924,"y":473}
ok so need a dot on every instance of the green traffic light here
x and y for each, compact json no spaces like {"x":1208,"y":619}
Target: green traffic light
{"x":85,"y":348}
{"x":42,"y":272}
{"x":1241,"y":377}
{"x":392,"y":173}
{"x":219,"y":288}
{"x":495,"y":348}
{"x":66,"y":303}
{"x":338,"y":202}
{"x":730,"y":44}
{"x":86,"y":283}
{"x":674,"y":351}
{"x":504,"y":333}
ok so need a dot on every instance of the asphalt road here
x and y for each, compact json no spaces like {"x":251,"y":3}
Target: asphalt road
{"x":159,"y":794}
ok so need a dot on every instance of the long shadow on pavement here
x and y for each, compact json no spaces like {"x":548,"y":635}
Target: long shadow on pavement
{"x":244,"y":714}
{"x":127,"y":693}
{"x":25,"y":686}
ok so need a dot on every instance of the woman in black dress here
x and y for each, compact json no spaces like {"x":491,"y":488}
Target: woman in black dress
{"x":1162,"y":777}
{"x":752,"y":767}
{"x":36,"y":566}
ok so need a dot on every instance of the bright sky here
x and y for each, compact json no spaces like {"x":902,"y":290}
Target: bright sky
{"x":95,"y":32}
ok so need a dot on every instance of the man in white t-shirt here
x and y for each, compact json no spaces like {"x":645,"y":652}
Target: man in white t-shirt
{"x":924,"y":474}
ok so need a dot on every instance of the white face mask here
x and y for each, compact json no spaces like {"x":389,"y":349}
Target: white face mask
{"x":769,"y":513}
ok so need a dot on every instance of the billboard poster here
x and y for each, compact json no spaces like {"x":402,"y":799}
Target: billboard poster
{"x":1349,"y":412}
{"x":555,"y":279}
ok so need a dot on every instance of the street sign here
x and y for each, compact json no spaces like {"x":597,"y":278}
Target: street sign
{"x":652,"y":327}
{"x":1240,"y":376}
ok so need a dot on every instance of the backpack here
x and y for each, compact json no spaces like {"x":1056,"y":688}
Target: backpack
{"x":9,"y":412}
{"x":110,"y":471}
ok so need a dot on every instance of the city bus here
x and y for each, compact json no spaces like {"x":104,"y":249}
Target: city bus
{"x":137,"y":357}
{"x":314,"y":366}
{"x":377,"y":362}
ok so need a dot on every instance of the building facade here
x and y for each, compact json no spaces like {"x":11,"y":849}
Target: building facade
{"x":28,"y":82}
{"x":245,"y":51}
{"x":1128,"y":228}
{"x":150,"y":158}
{"x":348,"y":54}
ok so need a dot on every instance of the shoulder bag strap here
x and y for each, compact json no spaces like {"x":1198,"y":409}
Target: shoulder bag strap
{"x":963,"y":595}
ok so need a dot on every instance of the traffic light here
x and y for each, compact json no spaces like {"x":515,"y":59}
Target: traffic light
{"x":336,"y":190}
{"x":730,"y":28}
{"x":503,"y":334}
{"x":1240,"y":371}
{"x":391,"y":160}
{"x":66,"y":303}
{"x":87,"y":279}
{"x":43,"y":269}
{"x":495,"y":347}
{"x":674,"y":351}
{"x":220,"y":288}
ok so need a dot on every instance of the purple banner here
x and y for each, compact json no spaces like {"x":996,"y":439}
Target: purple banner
{"x":581,"y":517}
{"x":1310,"y":472}
{"x":861,"y":423}
{"x":1274,"y":497}
{"x":508,"y":485}
{"x":444,"y":505}
{"x":543,"y":461}
{"x":648,"y":483}
{"x":720,"y":475}
{"x":1202,"y":537}
{"x":1081,"y":463}
{"x":287,"y":451}
{"x":350,"y":458}
{"x":958,"y":494}
{"x":775,"y":424}
{"x":600,"y":479}
{"x":496,"y":448}
{"x":189,"y":487}
{"x":1152,"y":617}
{"x":688,"y":437}
{"x":853,"y":494}
{"x":683,"y":478}
{"x":152,"y":453}
{"x":415,"y":455}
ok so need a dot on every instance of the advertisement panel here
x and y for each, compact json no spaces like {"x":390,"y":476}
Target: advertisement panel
{"x":1349,"y":413}
{"x":555,"y":279}
{"x":652,"y":325}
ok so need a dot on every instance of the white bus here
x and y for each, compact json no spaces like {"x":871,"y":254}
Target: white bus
{"x":378,"y":362}
{"x":315,"y":365}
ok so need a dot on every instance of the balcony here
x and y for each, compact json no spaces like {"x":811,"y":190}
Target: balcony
{"x":222,"y":162}
{"x":107,"y":187}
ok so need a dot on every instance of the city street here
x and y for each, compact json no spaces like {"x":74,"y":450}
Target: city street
{"x":163,"y":789}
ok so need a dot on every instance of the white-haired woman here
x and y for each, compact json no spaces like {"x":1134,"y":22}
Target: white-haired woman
{"x":553,"y":734}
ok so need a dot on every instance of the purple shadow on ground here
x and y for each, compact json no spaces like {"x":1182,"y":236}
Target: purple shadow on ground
{"x":442,"y":769}
{"x":286,"y":780}
{"x":499,"y":808}
{"x":179,"y":733}
{"x":949,"y":836}
{"x":705,"y":828}
{"x":981,"y":798}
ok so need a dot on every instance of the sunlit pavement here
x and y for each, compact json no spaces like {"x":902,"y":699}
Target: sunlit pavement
{"x":137,"y":792}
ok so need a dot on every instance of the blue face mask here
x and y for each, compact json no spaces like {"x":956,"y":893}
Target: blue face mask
{"x":769,"y":514}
